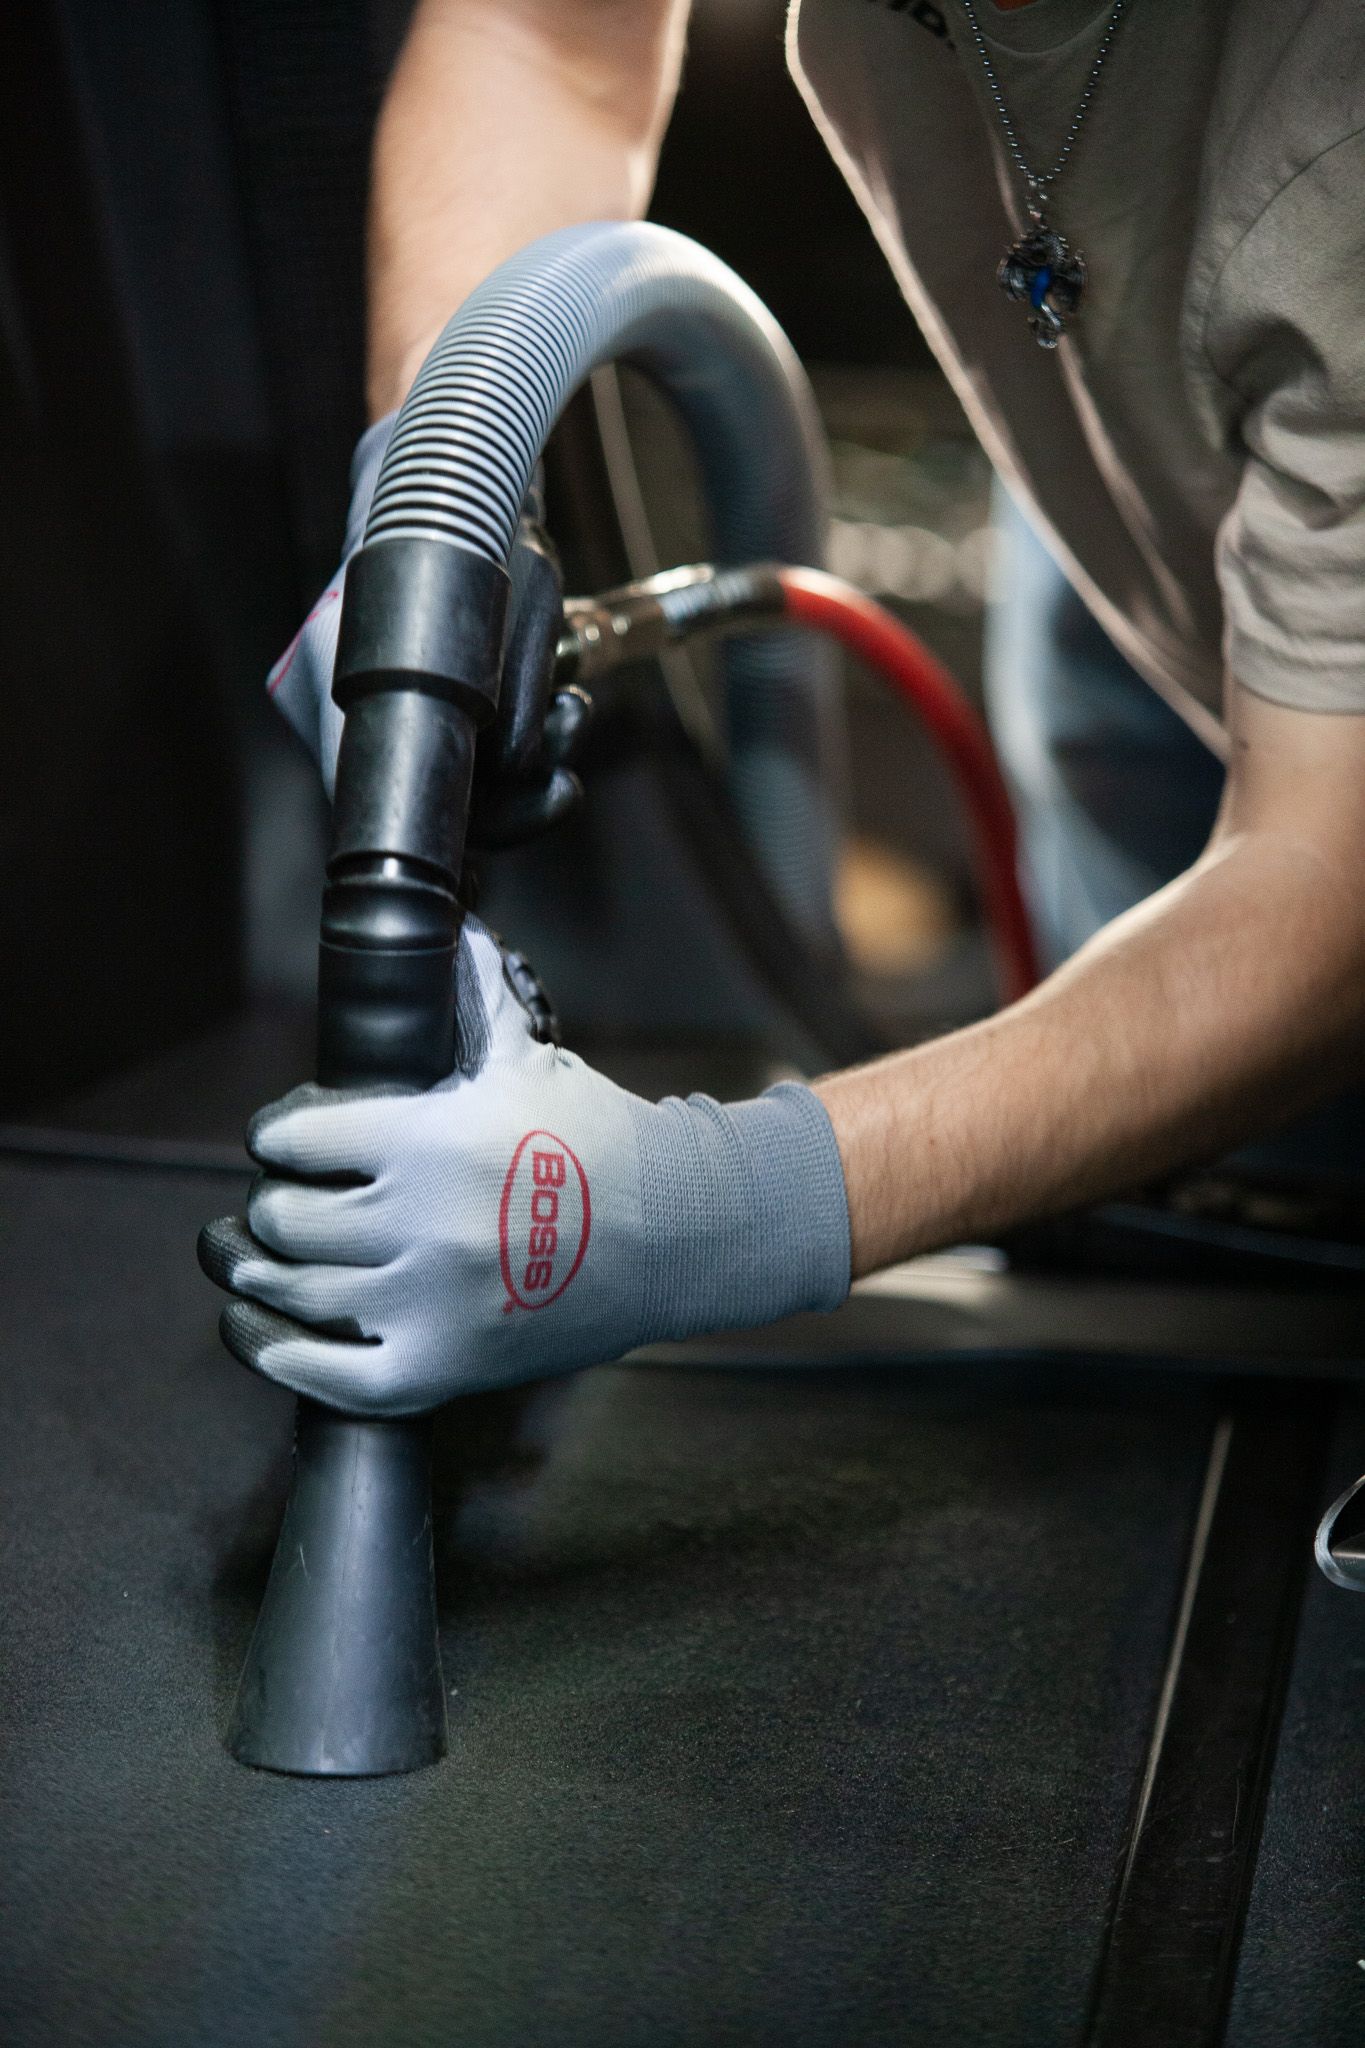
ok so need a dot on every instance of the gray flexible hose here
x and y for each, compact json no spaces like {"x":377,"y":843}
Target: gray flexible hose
{"x":475,"y":422}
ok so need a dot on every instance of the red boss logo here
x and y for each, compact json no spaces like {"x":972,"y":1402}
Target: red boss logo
{"x":543,"y":1221}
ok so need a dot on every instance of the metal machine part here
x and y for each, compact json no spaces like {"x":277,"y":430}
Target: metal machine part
{"x":1339,"y":1545}
{"x":664,"y":611}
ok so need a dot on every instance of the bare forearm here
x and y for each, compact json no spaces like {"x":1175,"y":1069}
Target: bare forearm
{"x":1230,"y":999}
{"x":504,"y":120}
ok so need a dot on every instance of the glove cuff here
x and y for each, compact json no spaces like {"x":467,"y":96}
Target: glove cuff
{"x":748,"y":1210}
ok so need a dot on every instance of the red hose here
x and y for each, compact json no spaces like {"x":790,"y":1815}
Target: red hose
{"x":870,"y":632}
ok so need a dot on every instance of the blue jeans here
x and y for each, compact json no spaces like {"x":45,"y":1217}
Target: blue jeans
{"x":1115,"y":795}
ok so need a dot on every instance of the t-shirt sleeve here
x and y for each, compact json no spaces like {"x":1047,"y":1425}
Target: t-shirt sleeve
{"x":1286,"y":338}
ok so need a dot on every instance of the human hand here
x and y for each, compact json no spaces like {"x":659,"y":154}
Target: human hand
{"x":522,"y":1218}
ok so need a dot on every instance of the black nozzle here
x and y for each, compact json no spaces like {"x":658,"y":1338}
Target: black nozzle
{"x":343,"y":1677}
{"x":422,"y":614}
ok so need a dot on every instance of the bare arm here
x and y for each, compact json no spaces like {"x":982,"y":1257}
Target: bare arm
{"x":505,"y":119}
{"x":1234,"y":996}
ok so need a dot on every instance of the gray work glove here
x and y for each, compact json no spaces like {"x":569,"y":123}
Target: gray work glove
{"x":522,"y":1218}
{"x":300,"y":683}
{"x":522,"y":781}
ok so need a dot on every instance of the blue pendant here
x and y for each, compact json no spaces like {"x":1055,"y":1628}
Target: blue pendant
{"x":1044,"y":272}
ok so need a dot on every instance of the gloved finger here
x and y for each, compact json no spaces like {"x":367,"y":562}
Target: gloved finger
{"x":337,"y":1300}
{"x":509,"y":749}
{"x":318,"y":1131}
{"x":523,"y":812}
{"x":323,"y":1226}
{"x":352,"y":1378}
{"x":567,"y":725}
{"x":222,"y":1247}
{"x":531,"y":993}
{"x":482,"y":982}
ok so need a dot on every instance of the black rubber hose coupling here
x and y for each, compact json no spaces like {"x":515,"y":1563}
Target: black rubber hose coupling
{"x":343,"y":1676}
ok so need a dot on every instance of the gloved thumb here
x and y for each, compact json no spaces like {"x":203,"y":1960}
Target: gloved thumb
{"x":500,"y":1005}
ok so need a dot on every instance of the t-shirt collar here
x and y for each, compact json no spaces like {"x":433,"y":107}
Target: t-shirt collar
{"x":1046,"y":25}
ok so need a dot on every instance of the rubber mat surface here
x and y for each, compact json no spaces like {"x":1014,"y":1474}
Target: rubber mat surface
{"x":1301,"y":1976}
{"x":800,"y":1711}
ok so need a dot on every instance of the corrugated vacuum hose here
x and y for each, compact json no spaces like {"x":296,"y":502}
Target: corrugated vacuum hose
{"x":343,"y":1676}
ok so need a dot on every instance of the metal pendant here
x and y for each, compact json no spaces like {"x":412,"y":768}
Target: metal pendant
{"x":1046,"y":273}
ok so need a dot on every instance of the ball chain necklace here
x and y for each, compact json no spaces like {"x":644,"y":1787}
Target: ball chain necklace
{"x":1042,"y":269}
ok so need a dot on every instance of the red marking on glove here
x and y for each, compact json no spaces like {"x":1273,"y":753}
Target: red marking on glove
{"x":544,"y":1220}
{"x":286,"y":660}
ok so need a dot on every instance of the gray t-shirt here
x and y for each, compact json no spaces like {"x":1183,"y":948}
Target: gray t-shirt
{"x":1194,"y":452}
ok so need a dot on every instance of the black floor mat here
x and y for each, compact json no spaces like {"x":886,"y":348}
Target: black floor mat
{"x":785,"y":1710}
{"x":1302,"y":1970}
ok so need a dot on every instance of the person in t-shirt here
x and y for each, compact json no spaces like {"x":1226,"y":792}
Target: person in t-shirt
{"x":1184,"y":450}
